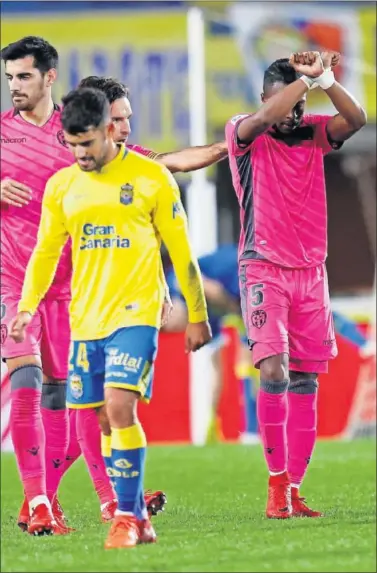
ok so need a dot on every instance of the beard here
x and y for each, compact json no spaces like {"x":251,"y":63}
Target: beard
{"x":23,"y":105}
{"x":28,"y":103}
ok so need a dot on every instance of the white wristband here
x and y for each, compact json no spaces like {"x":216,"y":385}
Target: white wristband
{"x":308,"y":81}
{"x":326,"y":79}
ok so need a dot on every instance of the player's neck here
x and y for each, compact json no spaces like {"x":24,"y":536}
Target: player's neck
{"x":112,"y":153}
{"x":40,"y":115}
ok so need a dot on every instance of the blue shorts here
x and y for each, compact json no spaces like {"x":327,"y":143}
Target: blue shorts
{"x":125,"y":359}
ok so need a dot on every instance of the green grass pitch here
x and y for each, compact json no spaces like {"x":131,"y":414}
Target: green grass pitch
{"x":214,"y":519}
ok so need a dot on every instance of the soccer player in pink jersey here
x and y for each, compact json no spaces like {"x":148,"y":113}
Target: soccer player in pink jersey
{"x":33,"y":149}
{"x":30,"y":129}
{"x":276,"y":158}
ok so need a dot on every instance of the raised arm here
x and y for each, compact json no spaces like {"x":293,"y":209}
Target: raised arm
{"x":351,"y":116}
{"x":170,"y":221}
{"x":274,"y":110}
{"x":193,"y":158}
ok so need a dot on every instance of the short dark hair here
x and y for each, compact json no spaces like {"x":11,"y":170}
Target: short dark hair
{"x":84,"y":108}
{"x":280,"y":71}
{"x":45,"y":56}
{"x":109,"y":86}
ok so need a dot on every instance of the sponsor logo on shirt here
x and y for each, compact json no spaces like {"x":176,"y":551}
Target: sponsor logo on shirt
{"x":102,"y":237}
{"x":13,"y":139}
{"x":126,"y":194}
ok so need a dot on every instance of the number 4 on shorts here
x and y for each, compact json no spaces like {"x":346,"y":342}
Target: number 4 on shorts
{"x":81,"y":357}
{"x":256,"y":294}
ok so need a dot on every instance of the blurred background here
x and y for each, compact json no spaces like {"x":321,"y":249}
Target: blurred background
{"x":191,"y":66}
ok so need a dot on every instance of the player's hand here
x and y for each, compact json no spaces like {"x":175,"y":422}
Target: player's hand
{"x":307,"y":63}
{"x":330,"y":59}
{"x":14,"y":193}
{"x":18,"y":326}
{"x":197,"y":335}
{"x":167,"y":309}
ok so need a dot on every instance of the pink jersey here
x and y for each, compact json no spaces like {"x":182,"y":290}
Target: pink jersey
{"x":280,"y":185}
{"x":143,"y":151}
{"x":30,"y":155}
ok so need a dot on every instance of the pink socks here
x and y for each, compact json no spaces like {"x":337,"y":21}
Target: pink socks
{"x":272,"y":410}
{"x":288,"y":424}
{"x":301,"y":433}
{"x":73,"y":450}
{"x":56,"y":428}
{"x":29,"y":438}
{"x":89,"y":436}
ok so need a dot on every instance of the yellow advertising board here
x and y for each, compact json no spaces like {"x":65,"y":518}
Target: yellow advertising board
{"x":148,"y":51}
{"x":367,"y":18}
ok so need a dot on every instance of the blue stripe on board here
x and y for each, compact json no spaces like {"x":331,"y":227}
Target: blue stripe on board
{"x":27,"y":7}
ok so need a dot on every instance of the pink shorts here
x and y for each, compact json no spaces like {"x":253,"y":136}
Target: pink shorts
{"x":288,"y":311}
{"x":48,"y":335}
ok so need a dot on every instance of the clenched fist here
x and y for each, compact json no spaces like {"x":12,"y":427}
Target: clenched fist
{"x":197,"y":335}
{"x":330,"y":59}
{"x":309,"y":64}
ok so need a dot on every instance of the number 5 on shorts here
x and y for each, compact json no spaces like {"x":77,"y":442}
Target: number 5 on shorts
{"x":256,"y":294}
{"x":3,"y":308}
{"x":81,"y":357}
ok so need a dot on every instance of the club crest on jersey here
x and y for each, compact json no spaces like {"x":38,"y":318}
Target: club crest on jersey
{"x":258,"y":318}
{"x":60,"y":137}
{"x":126,"y":194}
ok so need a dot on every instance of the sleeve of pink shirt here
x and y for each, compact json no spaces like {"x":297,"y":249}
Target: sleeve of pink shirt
{"x":231,"y":136}
{"x":319,"y":122}
{"x":143,"y":151}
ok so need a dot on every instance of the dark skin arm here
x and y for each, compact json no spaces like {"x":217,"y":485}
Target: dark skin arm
{"x":279,"y":105}
{"x":271,"y":112}
{"x":351,"y":117}
{"x":193,"y":158}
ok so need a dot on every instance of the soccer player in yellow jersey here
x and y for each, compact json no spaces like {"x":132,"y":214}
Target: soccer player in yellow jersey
{"x":113,"y":204}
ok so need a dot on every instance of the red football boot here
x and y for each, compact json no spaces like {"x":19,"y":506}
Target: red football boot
{"x":299,"y":507}
{"x":61,"y":527}
{"x":155,"y":501}
{"x":124,"y":533}
{"x":42,"y":521}
{"x":279,"y":497}
{"x":147,"y":532}
{"x":23,"y":516}
{"x":108,"y":511}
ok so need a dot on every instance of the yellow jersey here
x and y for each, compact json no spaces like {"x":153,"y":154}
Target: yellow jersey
{"x":115,"y":219}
